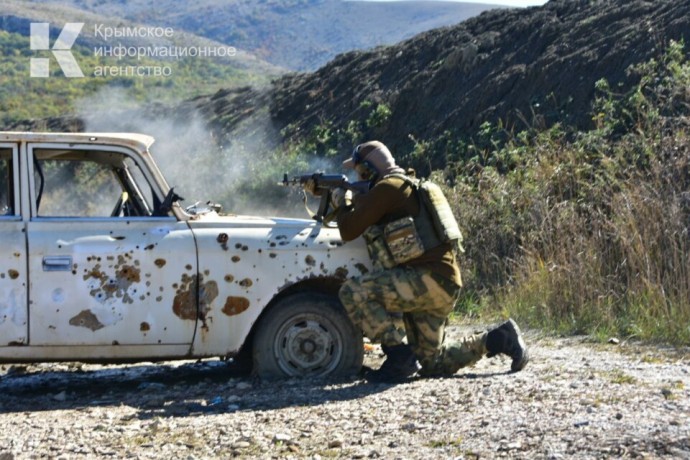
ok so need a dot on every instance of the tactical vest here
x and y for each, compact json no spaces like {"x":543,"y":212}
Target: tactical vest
{"x":406,"y":238}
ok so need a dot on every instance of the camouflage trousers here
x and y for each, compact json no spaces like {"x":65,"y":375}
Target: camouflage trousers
{"x":389,"y":305}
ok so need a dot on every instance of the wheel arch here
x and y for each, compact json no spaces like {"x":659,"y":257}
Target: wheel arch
{"x":323,"y":285}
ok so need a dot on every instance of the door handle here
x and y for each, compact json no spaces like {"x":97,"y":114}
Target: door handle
{"x":57,"y":263}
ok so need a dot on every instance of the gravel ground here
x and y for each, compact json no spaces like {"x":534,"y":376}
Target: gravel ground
{"x":574,"y":400}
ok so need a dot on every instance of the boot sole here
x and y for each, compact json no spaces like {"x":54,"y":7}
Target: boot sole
{"x":519,"y":362}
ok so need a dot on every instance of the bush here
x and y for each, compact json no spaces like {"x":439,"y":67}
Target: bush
{"x":590,"y":235}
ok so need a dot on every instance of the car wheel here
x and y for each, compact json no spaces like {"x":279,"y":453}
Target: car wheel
{"x":307,"y":335}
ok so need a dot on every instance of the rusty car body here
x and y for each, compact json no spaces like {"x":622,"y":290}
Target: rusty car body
{"x":98,"y":263}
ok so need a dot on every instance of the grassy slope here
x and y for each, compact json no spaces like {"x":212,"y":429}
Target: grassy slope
{"x":587,"y":232}
{"x":23,"y":97}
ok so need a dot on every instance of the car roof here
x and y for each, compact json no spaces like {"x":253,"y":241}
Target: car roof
{"x":134,"y":140}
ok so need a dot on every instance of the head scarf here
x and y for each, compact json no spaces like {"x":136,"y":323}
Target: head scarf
{"x":377,"y":155}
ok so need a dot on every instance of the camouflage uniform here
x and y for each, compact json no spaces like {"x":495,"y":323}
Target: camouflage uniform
{"x":389,"y":304}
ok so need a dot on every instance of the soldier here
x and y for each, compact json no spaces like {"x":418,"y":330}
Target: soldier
{"x":416,"y":277}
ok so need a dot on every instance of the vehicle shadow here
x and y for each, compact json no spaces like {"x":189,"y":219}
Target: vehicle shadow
{"x":167,"y":390}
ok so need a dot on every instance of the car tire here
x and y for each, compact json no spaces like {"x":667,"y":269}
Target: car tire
{"x":307,"y":335}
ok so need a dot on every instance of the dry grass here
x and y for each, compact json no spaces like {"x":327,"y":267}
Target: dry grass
{"x":589,"y":232}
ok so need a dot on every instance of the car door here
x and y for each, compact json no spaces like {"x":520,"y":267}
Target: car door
{"x":13,"y":271}
{"x":103,"y":269}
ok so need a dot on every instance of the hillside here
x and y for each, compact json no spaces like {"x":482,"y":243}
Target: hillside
{"x":16,"y":17}
{"x":289,"y":33}
{"x":23,"y":97}
{"x":294,"y":34}
{"x":429,"y":96}
{"x":513,"y":68}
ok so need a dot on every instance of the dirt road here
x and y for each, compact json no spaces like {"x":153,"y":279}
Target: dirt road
{"x":574,"y":400}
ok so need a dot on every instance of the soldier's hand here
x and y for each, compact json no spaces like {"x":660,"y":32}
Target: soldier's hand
{"x":310,"y":186}
{"x":341,"y":197}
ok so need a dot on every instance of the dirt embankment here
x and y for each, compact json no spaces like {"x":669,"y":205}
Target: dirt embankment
{"x":574,"y":400}
{"x":517,"y":67}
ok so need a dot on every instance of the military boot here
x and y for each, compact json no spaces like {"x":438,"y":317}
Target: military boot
{"x":400,"y":364}
{"x":506,"y":339}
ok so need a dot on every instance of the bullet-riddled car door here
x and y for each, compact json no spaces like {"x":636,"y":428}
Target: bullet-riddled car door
{"x":13,"y":276}
{"x":103,"y":269}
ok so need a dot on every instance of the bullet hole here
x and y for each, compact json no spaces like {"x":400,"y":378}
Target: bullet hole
{"x":235,"y":305}
{"x":129,"y":274}
{"x":223,"y":240}
{"x":86,"y":319}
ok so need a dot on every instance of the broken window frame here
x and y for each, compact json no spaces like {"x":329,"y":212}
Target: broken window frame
{"x":13,"y":204}
{"x":143,"y":201}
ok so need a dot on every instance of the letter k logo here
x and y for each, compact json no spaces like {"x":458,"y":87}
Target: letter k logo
{"x":40,"y":40}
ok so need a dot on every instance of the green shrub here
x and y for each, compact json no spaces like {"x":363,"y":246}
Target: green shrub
{"x":589,"y":233}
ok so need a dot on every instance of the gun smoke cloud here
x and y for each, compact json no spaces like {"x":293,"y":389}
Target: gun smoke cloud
{"x":201,"y":164}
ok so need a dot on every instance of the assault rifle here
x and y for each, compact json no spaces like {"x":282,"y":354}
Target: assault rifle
{"x":324,"y":184}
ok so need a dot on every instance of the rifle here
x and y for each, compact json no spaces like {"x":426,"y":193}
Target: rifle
{"x":324,"y":184}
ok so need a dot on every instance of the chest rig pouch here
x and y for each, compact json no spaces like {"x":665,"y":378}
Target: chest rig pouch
{"x":403,"y":240}
{"x":377,"y":247}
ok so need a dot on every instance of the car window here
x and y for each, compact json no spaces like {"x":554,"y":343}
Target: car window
{"x":77,"y":183}
{"x":138,"y":178}
{"x":6,"y":183}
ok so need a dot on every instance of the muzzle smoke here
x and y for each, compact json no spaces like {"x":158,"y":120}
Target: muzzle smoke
{"x":202,"y":164}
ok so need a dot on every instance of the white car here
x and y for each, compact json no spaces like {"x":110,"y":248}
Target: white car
{"x":99,"y":263}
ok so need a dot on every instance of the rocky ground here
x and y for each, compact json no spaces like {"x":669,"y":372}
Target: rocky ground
{"x":575,"y":399}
